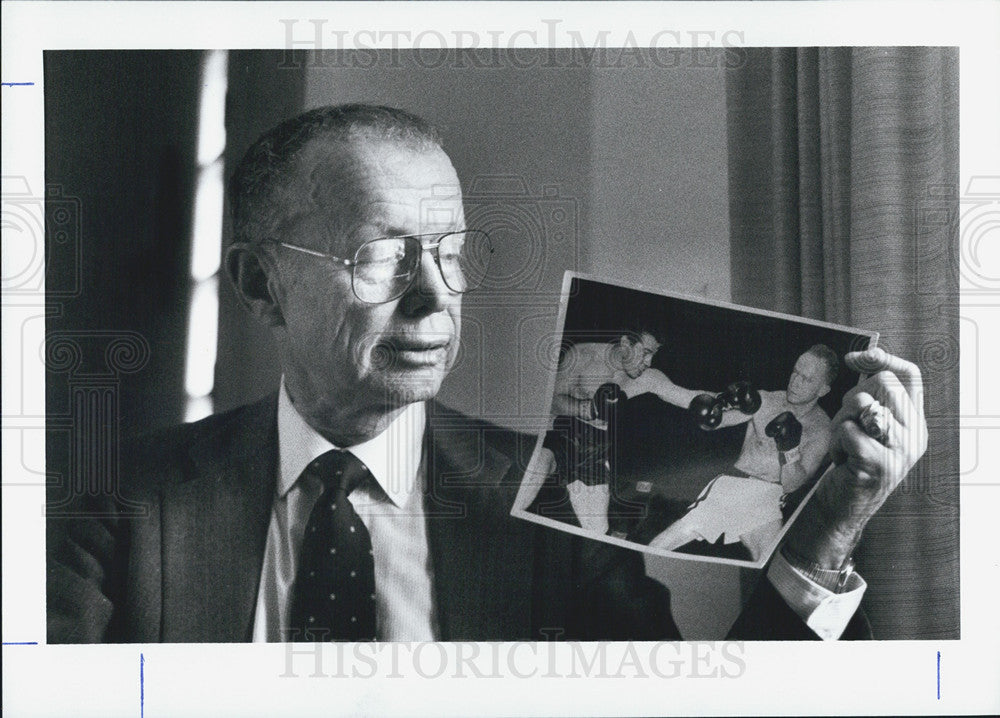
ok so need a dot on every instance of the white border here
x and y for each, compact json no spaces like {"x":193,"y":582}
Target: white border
{"x":879,"y":677}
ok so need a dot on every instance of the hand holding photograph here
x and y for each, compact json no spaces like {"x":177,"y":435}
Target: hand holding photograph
{"x":375,"y":347}
{"x":684,"y":427}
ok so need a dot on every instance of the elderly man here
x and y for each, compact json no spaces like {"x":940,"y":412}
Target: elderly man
{"x":350,"y":506}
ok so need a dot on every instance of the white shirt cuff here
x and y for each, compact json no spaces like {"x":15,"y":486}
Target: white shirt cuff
{"x":825,"y":612}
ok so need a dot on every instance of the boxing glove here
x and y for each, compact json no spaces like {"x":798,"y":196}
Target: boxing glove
{"x":706,"y":411}
{"x":607,"y":400}
{"x":786,"y":431}
{"x":741,"y":395}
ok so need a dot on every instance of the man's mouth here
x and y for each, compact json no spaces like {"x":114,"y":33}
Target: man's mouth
{"x":418,"y":352}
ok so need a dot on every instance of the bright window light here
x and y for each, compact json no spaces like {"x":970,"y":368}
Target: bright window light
{"x":212,"y":111}
{"x":198,"y":408}
{"x":203,"y":331}
{"x":206,"y":236}
{"x":209,"y":204}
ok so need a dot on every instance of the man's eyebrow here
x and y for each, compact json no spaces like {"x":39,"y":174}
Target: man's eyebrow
{"x":391,"y":230}
{"x":394,"y":231}
{"x":381,"y":228}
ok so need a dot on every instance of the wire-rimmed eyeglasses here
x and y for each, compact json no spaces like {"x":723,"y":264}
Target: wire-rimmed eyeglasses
{"x":384,"y":269}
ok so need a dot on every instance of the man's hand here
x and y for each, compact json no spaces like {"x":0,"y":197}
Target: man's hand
{"x":876,"y":467}
{"x":866,"y":469}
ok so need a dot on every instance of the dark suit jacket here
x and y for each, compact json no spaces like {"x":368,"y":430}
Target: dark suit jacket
{"x":188,"y":569}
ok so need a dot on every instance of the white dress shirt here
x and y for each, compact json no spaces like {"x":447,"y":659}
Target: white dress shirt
{"x":392,"y":511}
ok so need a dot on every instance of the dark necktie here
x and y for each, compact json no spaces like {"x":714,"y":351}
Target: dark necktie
{"x":334,"y":594}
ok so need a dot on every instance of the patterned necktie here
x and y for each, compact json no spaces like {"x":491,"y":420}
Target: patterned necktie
{"x":334,"y":594}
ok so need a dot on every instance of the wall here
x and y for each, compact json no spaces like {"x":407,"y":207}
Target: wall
{"x":658,"y":194}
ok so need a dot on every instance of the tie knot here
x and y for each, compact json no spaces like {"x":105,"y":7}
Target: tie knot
{"x":339,"y":469}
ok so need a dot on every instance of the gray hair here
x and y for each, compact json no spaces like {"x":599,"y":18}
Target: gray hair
{"x":259,"y":206}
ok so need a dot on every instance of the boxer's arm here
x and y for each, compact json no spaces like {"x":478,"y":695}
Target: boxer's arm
{"x":568,"y":405}
{"x":568,"y":398}
{"x":654,"y":381}
{"x":732,"y":418}
{"x":812,"y":451}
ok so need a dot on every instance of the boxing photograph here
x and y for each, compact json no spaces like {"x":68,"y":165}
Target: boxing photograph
{"x":686,"y":427}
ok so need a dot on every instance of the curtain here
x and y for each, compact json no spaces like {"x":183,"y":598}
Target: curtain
{"x":843,"y":184}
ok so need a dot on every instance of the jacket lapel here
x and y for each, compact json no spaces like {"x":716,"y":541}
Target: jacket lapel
{"x":215,"y":529}
{"x":482,"y":558}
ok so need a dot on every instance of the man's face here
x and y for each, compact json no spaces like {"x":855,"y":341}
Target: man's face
{"x":339,"y":353}
{"x":808,"y":381}
{"x":637,"y":356}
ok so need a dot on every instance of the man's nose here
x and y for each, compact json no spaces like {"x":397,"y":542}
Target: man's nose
{"x":429,"y":292}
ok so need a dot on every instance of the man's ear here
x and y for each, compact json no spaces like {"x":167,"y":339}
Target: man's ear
{"x":255,"y":280}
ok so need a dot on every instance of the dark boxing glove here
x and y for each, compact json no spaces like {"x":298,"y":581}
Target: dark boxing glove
{"x":741,"y":395}
{"x":706,"y":411}
{"x":786,"y":431}
{"x":608,"y":400}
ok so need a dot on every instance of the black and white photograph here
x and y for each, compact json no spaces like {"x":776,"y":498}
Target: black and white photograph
{"x":686,"y":426}
{"x":350,"y":280}
{"x":400,"y":359}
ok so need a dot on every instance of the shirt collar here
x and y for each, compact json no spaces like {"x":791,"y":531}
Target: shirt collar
{"x":393,"y":456}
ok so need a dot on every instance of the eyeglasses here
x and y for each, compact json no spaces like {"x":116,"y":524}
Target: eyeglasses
{"x":384,"y":269}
